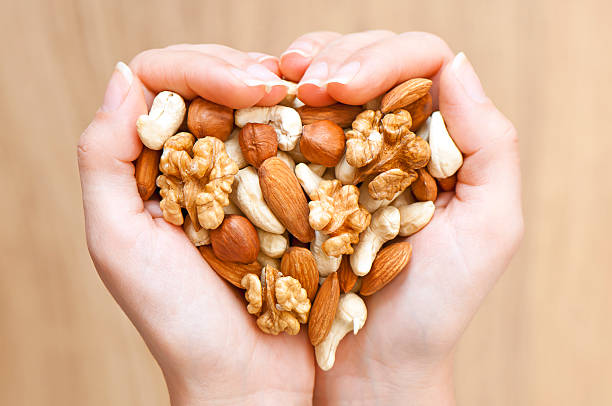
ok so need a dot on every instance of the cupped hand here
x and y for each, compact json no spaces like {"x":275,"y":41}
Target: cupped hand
{"x":404,"y":353}
{"x":208,"y":347}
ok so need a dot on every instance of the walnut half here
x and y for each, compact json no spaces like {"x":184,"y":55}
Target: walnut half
{"x":280,"y":301}
{"x":392,"y":169}
{"x":197,"y":176}
{"x":335,"y":211}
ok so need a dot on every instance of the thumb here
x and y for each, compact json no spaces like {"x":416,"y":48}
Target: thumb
{"x":106,"y":150}
{"x":488,"y":192}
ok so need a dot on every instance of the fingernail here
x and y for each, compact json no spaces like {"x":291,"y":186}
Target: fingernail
{"x":315,"y":75}
{"x":257,"y":75}
{"x":464,"y":72}
{"x":346,"y":73}
{"x":118,"y":87}
{"x":304,"y":49}
{"x":265,"y":58}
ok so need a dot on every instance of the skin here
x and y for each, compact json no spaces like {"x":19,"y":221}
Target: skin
{"x":195,"y":324}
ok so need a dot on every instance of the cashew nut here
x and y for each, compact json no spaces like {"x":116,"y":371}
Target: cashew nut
{"x":291,"y":93}
{"x":446,"y":158}
{"x":285,"y":120}
{"x":384,"y":226}
{"x":196,"y":237}
{"x":350,"y":316}
{"x":272,"y":245}
{"x":232,"y":147}
{"x":423,"y":132}
{"x":162,"y":122}
{"x":286,"y":158}
{"x":264,"y":260}
{"x":403,"y":199}
{"x":297,"y":155}
{"x":371,"y":204}
{"x":247,"y":195}
{"x":415,"y":216}
{"x":231,"y":208}
{"x":307,"y":178}
{"x":326,"y":264}
{"x":346,"y":173}
{"x":318,"y":169}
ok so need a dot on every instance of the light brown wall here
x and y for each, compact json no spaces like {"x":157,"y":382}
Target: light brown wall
{"x":543,"y":335}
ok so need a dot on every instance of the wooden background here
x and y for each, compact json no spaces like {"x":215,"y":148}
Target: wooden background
{"x":543,"y":336}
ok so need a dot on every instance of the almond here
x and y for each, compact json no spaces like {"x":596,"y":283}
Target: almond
{"x":404,"y":94}
{"x":206,"y":118}
{"x":341,"y":114}
{"x":448,"y":184}
{"x":389,"y":262}
{"x":419,"y":111}
{"x":147,"y":168}
{"x":299,"y":263}
{"x":258,"y":142}
{"x":230,"y":271}
{"x":322,"y":143}
{"x":346,"y":276}
{"x":424,"y":188}
{"x":323,"y":309}
{"x":235,"y":240}
{"x":285,"y":197}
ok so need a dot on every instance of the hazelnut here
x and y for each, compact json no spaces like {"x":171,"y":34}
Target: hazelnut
{"x":322,"y":142}
{"x":258,"y":142}
{"x":206,"y":118}
{"x":235,"y":240}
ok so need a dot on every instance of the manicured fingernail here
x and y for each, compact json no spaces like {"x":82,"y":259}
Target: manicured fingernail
{"x":464,"y":72}
{"x":315,"y":75}
{"x":304,"y":49}
{"x":257,"y":75}
{"x":118,"y":87}
{"x":346,"y":73}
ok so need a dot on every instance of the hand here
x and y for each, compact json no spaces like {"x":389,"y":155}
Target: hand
{"x":404,"y":353}
{"x":196,"y":325}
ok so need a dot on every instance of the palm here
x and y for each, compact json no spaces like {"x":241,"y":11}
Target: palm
{"x":193,"y":320}
{"x":422,"y":313}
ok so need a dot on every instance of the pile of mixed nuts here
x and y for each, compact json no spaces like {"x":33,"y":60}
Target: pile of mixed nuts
{"x":294,"y":203}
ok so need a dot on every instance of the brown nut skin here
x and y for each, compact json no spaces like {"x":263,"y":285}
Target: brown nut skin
{"x":424,"y":188}
{"x":299,"y":263}
{"x":448,"y":184}
{"x":232,"y":272}
{"x":420,"y":110}
{"x":235,"y":240}
{"x":147,"y":169}
{"x":258,"y":142}
{"x":323,"y":310}
{"x":346,"y":276}
{"x":341,"y":114}
{"x":285,"y":198}
{"x":322,"y":143}
{"x":205,"y":118}
{"x":389,"y":262}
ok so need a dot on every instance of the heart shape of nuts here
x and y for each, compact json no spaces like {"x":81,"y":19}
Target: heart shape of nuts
{"x":301,"y":206}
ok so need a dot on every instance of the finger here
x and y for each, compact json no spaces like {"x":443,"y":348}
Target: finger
{"x":374,"y":69}
{"x":105,"y":153}
{"x":296,"y":59}
{"x":216,"y":73}
{"x":152,"y":206}
{"x":269,"y":61}
{"x":312,"y":88}
{"x":489,"y":181}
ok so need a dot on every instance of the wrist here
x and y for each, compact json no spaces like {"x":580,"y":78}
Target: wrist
{"x":372,"y":382}
{"x":207,"y":393}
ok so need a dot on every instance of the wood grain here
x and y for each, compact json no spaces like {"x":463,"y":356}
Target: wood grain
{"x":542,"y":336}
